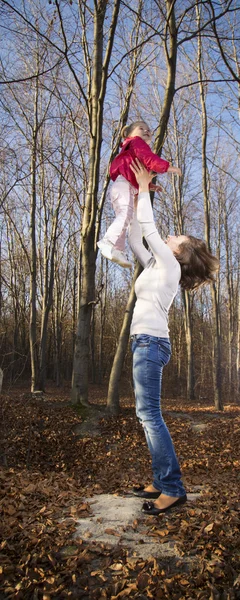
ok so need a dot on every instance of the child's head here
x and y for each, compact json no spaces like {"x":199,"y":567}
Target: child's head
{"x":138,"y":128}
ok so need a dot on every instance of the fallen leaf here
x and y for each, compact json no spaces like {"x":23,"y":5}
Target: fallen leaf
{"x":112,"y":532}
{"x":209,"y":527}
{"x":116,"y":567}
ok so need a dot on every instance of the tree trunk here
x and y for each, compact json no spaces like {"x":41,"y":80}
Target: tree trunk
{"x":81,"y":353}
{"x":171,"y":58}
{"x":189,"y":343}
{"x":33,"y":266}
{"x":113,"y":388}
{"x":230,"y":304}
{"x":238,"y":355}
{"x":49,"y":270}
{"x":217,"y":368}
{"x":171,"y":54}
{"x":97,"y":90}
{"x":187,"y":303}
{"x":103,"y":301}
{"x":217,"y":382}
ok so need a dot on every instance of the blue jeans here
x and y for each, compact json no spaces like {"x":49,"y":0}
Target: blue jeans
{"x":150,"y":355}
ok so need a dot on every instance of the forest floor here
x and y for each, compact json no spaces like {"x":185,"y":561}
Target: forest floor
{"x":50,"y":468}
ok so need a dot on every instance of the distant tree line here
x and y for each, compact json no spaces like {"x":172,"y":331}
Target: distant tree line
{"x":71,"y":76}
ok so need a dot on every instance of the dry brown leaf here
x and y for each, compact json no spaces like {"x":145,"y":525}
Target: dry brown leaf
{"x":142,"y":581}
{"x":135,"y":524}
{"x":110,"y":531}
{"x":10,"y":509}
{"x":183,"y":581}
{"x":58,"y":479}
{"x":209,"y":527}
{"x":31,"y":487}
{"x":50,"y":579}
{"x":84,"y":506}
{"x":125,"y":592}
{"x":116,"y":567}
{"x":160,"y":532}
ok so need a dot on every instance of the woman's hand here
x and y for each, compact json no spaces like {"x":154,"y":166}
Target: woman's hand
{"x":143,"y":176}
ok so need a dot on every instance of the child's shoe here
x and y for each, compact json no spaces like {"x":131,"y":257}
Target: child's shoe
{"x":106,"y":248}
{"x":117,"y":256}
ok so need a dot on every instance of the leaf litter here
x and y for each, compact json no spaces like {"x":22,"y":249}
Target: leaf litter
{"x":47,"y":472}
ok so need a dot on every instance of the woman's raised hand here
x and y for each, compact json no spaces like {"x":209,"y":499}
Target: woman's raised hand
{"x":143,"y":176}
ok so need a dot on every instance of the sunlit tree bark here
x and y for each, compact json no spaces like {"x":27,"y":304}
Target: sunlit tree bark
{"x":33,"y":263}
{"x":97,"y":81}
{"x":217,"y":379}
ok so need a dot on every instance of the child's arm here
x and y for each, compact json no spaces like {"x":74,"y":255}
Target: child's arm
{"x":151,"y":161}
{"x":174,"y":170}
{"x":155,"y":188}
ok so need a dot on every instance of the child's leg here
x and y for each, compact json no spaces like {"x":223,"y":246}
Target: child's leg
{"x":122,"y":197}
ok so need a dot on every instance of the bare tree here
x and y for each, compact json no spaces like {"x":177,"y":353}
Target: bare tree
{"x":217,"y":379}
{"x":238,"y":341}
{"x":98,"y":82}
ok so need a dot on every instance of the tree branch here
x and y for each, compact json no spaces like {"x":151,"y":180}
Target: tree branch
{"x":223,"y":55}
{"x":31,"y":77}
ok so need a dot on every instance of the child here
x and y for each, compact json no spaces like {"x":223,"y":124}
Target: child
{"x":136,"y":141}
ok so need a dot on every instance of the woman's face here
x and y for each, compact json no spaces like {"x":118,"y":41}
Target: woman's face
{"x":174,"y":241}
{"x":143,"y":131}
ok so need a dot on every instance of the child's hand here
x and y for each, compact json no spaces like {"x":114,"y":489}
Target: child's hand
{"x":155,"y":188}
{"x":174,"y":170}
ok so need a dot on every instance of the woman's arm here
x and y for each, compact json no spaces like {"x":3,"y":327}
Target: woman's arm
{"x":136,"y":242}
{"x":161,"y":252}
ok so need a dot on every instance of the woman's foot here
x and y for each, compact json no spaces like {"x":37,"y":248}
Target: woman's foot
{"x":163,"y":504}
{"x":165,"y":501}
{"x":148,"y":492}
{"x":151,"y":488}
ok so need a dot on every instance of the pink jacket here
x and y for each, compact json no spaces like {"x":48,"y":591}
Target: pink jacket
{"x":135,"y":147}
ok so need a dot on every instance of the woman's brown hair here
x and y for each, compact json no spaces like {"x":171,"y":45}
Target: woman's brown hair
{"x":197,"y":263}
{"x":127,"y":130}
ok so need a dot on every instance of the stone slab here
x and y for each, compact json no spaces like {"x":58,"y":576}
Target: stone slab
{"x":118,"y":520}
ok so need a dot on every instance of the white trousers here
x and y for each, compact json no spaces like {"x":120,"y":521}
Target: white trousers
{"x":122,"y":197}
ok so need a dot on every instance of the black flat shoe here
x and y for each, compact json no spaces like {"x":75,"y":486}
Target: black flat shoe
{"x":141,"y":493}
{"x":149,"y":508}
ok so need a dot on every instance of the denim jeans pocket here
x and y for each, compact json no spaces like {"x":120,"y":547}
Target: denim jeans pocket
{"x":141,"y":340}
{"x":164,"y":351}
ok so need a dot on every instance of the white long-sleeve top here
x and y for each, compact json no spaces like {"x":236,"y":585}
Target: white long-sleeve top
{"x":157,"y":285}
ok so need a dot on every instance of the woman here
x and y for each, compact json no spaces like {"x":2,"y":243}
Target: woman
{"x":180,"y":259}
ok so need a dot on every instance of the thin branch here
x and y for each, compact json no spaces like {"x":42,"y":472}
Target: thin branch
{"x":223,"y":55}
{"x":41,"y":34}
{"x":205,"y":25}
{"x":132,"y":50}
{"x":59,"y":61}
{"x":203,"y":81}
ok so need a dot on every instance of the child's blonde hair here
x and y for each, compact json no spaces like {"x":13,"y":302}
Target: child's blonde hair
{"x":127,"y":129}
